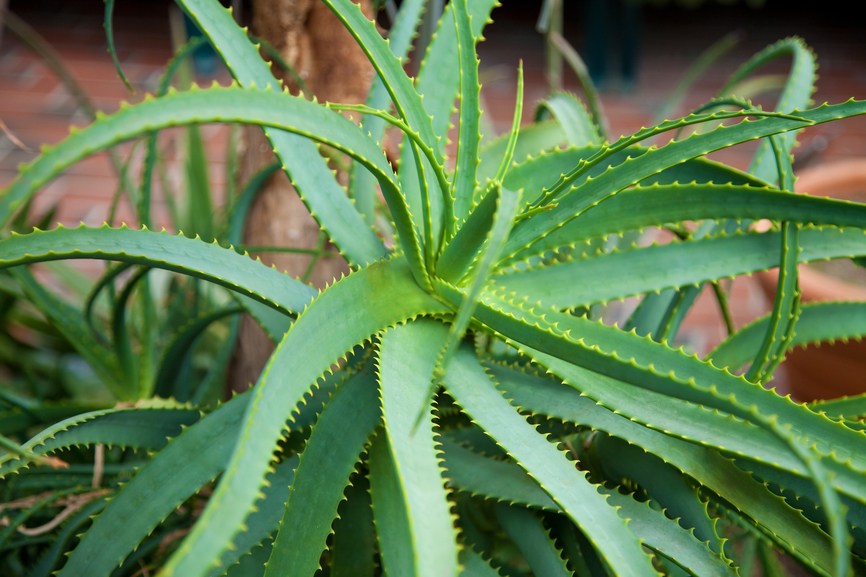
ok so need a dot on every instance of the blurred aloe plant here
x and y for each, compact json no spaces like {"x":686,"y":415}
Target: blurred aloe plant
{"x":448,"y":408}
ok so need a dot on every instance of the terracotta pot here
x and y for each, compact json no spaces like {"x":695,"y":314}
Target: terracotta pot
{"x":831,"y":370}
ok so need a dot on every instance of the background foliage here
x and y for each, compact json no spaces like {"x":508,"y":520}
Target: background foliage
{"x":454,"y":406}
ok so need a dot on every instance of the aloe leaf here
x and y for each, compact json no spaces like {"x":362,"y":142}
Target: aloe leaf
{"x":307,"y":170}
{"x":656,"y":205}
{"x":470,"y":238}
{"x":677,"y":418}
{"x":145,"y":428}
{"x":329,"y":457}
{"x":846,"y":407}
{"x":161,"y":250}
{"x":515,"y":128}
{"x":785,"y":305}
{"x":533,"y":540}
{"x":637,"y":205}
{"x":663,"y":483}
{"x":642,"y":362}
{"x":633,"y":171}
{"x":406,"y":100}
{"x":505,"y":481}
{"x":579,"y":552}
{"x":438,"y":83}
{"x":658,"y":267}
{"x":422,"y":541}
{"x":20,"y":418}
{"x":354,"y":546}
{"x":182,"y":468}
{"x":790,"y":530}
{"x":818,"y":322}
{"x":361,"y":182}
{"x":439,"y":78}
{"x":389,"y":68}
{"x":478,"y":475}
{"x":678,"y":306}
{"x":507,"y":207}
{"x":213,"y":105}
{"x":796,"y":94}
{"x":464,"y":181}
{"x":265,"y":521}
{"x":568,"y":111}
{"x":667,"y":538}
{"x":472,"y":389}
{"x":474,"y":565}
{"x":283,"y":384}
{"x":535,"y":173}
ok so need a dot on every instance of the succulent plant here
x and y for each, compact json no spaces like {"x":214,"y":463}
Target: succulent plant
{"x":454,"y":406}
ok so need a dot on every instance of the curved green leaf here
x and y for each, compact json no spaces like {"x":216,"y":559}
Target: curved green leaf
{"x":407,"y":101}
{"x":532,"y":539}
{"x":391,"y":295}
{"x":632,"y":171}
{"x":662,"y":483}
{"x":640,"y":270}
{"x":796,"y":95}
{"x":307,"y":169}
{"x":818,"y":322}
{"x":472,"y":389}
{"x":507,"y":206}
{"x":531,"y":141}
{"x":329,"y":457}
{"x":361,"y":183}
{"x":578,"y":127}
{"x":149,"y":427}
{"x":468,"y":471}
{"x":265,"y":521}
{"x":438,"y":83}
{"x":161,"y":250}
{"x":656,"y":205}
{"x":790,"y":530}
{"x":843,"y":408}
{"x":642,"y":362}
{"x":785,"y":308}
{"x":354,"y":546}
{"x":178,"y":471}
{"x":416,"y":534}
{"x":464,"y":181}
{"x":667,"y":538}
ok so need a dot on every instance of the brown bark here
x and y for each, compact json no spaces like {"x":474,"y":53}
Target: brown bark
{"x":334,"y":68}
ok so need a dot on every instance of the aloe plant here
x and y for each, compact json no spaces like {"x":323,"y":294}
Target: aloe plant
{"x":448,"y":407}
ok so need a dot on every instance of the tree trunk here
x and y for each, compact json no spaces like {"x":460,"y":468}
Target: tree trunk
{"x":334,"y":69}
